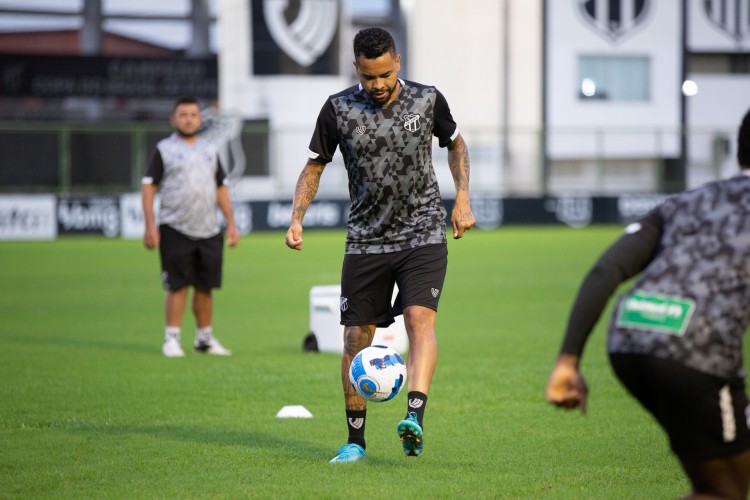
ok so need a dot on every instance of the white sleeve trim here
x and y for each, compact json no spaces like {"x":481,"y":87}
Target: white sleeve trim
{"x":455,"y":134}
{"x":633,"y":228}
{"x":312,"y":154}
{"x":147,"y":180}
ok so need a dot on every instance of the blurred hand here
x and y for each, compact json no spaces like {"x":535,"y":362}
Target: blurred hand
{"x":294,"y":236}
{"x":151,"y":238}
{"x":233,"y":236}
{"x":566,"y":387}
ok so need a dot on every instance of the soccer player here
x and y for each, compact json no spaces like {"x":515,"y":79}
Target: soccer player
{"x":675,"y":338}
{"x":396,"y":230}
{"x":191,"y":182}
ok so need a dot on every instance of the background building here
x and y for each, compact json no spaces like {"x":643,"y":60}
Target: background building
{"x":577,"y":111}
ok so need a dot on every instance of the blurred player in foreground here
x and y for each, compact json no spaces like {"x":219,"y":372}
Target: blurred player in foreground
{"x":675,"y":339}
{"x":396,"y":231}
{"x":191,"y":183}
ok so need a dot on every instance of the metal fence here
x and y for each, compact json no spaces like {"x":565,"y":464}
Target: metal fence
{"x":85,"y":158}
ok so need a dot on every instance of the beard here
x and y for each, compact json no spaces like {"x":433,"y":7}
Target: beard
{"x":186,"y":135}
{"x":382,"y":98}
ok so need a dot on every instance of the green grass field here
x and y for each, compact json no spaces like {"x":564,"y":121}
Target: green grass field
{"x":90,"y":409}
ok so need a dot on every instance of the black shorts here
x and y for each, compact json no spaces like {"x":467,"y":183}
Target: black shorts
{"x":704,"y":416}
{"x":367,"y":283}
{"x":190,"y":262}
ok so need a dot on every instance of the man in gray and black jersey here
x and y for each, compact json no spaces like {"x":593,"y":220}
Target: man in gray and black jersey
{"x":675,"y":338}
{"x":396,"y":230}
{"x":186,"y":171}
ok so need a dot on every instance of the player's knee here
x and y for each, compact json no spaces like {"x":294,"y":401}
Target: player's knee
{"x":357,"y":338}
{"x":419,"y":320}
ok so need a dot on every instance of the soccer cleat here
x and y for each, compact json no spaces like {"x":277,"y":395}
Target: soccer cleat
{"x":211,"y":346}
{"x":172,"y":348}
{"x":410,"y":434}
{"x":350,"y":452}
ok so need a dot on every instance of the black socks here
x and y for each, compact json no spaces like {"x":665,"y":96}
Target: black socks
{"x":416,"y":403}
{"x":355,"y":422}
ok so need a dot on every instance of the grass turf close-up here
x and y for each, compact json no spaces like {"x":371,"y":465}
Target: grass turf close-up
{"x":90,"y":408}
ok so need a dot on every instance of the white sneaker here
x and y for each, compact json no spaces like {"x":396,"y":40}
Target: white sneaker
{"x":172,"y":348}
{"x":211,"y":347}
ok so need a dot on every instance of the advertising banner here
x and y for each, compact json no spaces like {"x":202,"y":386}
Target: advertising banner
{"x":89,"y":215}
{"x":27,"y":217}
{"x":44,"y":217}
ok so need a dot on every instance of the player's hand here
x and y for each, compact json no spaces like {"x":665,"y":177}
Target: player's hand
{"x":566,"y":387}
{"x":462,"y":217}
{"x":294,"y":236}
{"x":151,"y":238}
{"x":233,"y":236}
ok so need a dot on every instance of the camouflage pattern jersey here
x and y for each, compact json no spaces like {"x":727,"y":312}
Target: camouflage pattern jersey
{"x":395,"y":198}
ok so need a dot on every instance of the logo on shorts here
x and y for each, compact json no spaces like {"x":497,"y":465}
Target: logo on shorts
{"x":165,"y":280}
{"x":344,"y":303}
{"x":411,"y":122}
{"x":435,"y":292}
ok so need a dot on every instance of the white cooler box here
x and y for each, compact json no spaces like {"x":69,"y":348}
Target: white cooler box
{"x":325,"y":315}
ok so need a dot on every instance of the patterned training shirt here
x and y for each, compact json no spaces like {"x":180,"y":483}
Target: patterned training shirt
{"x":395,"y":199}
{"x":698,"y":282}
{"x":187,"y":175}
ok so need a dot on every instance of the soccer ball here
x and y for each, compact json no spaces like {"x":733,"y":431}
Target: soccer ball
{"x":377,"y":373}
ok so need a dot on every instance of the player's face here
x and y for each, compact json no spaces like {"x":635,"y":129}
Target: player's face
{"x":379,"y":77}
{"x":186,"y":119}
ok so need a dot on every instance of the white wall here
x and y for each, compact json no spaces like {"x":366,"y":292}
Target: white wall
{"x":456,"y":45}
{"x":459,"y":46}
{"x":572,"y":121}
{"x":713,"y":116}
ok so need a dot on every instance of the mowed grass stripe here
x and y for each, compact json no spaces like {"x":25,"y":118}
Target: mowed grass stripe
{"x":90,"y":408}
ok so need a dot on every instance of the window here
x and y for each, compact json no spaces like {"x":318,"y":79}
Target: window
{"x":614,"y":78}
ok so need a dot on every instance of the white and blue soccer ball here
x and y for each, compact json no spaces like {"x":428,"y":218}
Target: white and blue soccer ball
{"x":378,"y":373}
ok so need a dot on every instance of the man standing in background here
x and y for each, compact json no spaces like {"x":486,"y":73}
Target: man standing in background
{"x":186,"y":171}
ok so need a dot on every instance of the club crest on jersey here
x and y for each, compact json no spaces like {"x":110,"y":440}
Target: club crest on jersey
{"x":411,"y":122}
{"x":360,"y":129}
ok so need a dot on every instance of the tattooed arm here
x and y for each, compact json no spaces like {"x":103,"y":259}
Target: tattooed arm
{"x":458,"y":161}
{"x":307,"y":187}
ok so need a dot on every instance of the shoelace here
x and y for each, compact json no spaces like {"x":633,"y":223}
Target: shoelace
{"x":411,"y":436}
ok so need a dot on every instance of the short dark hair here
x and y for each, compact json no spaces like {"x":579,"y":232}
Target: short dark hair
{"x":186,"y":99}
{"x":373,"y":42}
{"x":743,"y":142}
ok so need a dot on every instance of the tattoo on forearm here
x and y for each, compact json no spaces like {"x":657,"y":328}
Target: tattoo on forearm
{"x":464,"y":216}
{"x":460,"y":165}
{"x":307,"y":187}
